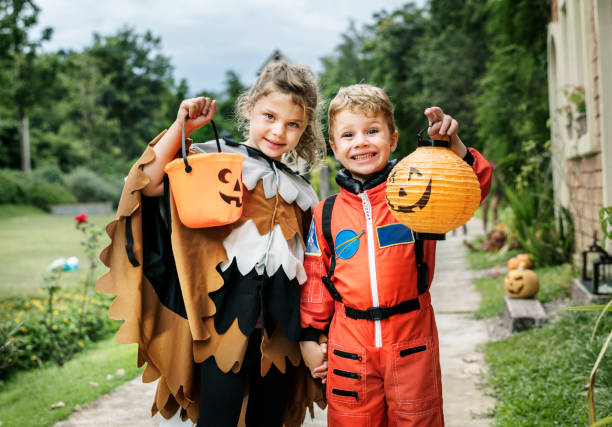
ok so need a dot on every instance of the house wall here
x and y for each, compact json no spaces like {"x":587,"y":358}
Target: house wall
{"x":578,"y":55}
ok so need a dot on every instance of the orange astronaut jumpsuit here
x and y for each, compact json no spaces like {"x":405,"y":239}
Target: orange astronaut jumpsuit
{"x":383,"y":356}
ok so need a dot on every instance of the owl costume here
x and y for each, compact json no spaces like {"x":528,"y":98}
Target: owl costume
{"x":188,"y":295}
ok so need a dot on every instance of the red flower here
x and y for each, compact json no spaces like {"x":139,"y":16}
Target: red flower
{"x":80,"y":218}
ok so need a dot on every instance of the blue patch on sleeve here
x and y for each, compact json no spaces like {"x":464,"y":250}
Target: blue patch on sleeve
{"x":394,"y":234}
{"x":312,"y":245}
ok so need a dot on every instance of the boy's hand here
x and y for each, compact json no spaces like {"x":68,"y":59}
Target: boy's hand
{"x":443,"y":126}
{"x":315,"y":357}
{"x":199,"y":110}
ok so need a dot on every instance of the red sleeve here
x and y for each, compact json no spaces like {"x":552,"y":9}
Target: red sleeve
{"x":316,"y":304}
{"x":483,"y":170}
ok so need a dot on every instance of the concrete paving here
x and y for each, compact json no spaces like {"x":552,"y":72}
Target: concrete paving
{"x":454,"y":300}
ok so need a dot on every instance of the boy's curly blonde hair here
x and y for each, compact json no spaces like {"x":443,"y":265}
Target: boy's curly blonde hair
{"x":300,"y":83}
{"x":367,"y":99}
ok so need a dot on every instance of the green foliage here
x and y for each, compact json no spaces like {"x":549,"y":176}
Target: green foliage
{"x":538,"y":377}
{"x":555,"y":284}
{"x":605,"y":216}
{"x":548,"y":239}
{"x":512,"y":100}
{"x":52,"y":327}
{"x":136,"y":76}
{"x":44,"y":328}
{"x":88,"y":186}
{"x":19,"y":188}
{"x":315,"y":176}
{"x":105,"y":363}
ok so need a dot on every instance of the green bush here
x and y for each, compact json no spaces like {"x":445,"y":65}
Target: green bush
{"x":44,"y":194}
{"x":49,"y":173}
{"x":88,"y":186}
{"x":43,"y":329}
{"x":33,"y":189}
{"x":13,"y":187}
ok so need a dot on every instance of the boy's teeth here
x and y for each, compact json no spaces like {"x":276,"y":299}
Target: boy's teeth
{"x":363,"y":156}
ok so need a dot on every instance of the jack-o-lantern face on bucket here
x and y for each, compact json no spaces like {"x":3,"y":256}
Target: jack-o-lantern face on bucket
{"x":211,"y":193}
{"x":236,"y":193}
{"x":521,"y":283}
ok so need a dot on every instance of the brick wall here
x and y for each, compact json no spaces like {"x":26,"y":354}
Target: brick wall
{"x":585,"y":188}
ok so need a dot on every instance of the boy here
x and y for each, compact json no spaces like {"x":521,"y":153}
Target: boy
{"x":382,"y":364}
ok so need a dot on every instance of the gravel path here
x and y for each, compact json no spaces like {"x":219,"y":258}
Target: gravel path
{"x":454,"y":300}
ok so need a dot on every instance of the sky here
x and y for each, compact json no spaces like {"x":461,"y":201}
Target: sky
{"x":206,"y":38}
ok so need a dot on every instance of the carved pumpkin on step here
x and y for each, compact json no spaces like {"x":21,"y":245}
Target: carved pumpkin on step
{"x":521,"y":283}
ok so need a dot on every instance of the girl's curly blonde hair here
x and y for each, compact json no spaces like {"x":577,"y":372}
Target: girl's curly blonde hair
{"x":300,"y":83}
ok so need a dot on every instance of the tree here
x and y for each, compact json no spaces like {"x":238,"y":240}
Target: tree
{"x":139,"y":77}
{"x":28,"y":79}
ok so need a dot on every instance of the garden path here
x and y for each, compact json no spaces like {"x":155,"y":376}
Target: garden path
{"x":454,"y":299}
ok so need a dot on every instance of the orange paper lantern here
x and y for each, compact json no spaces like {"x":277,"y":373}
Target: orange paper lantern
{"x":206,"y":187}
{"x":432,"y":190}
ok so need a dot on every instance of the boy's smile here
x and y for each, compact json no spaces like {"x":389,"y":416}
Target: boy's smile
{"x":362,"y":143}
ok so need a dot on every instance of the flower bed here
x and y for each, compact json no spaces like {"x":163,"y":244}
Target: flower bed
{"x":50,"y":328}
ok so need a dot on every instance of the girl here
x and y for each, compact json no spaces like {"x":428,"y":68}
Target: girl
{"x":215,"y":311}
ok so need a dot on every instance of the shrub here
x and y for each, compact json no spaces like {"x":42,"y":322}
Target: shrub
{"x":44,"y":194}
{"x":88,"y":186}
{"x":13,"y":187}
{"x":32,"y":189}
{"x":41,"y":329}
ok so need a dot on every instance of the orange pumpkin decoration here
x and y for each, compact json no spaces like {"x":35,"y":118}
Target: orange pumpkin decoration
{"x":432,"y":190}
{"x":521,"y":283}
{"x":206,"y":187}
{"x":515,"y":262}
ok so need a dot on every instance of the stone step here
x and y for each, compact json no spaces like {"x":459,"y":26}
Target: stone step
{"x":521,"y":314}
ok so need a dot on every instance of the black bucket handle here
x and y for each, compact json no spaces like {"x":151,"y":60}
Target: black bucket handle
{"x":187,"y":165}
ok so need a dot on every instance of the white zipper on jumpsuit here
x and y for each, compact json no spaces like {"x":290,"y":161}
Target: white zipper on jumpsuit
{"x":367,"y":209}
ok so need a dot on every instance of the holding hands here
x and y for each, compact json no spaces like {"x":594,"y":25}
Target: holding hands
{"x":443,"y":126}
{"x":315,"y":358}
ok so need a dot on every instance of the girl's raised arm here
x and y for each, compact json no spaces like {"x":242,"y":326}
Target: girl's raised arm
{"x":200,"y":111}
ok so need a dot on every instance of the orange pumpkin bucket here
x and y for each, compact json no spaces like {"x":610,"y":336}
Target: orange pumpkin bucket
{"x":206,"y":187}
{"x":432,"y":190}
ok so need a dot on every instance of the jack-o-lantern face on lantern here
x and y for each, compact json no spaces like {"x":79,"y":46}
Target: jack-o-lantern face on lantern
{"x":521,"y":284}
{"x":432,"y":191}
{"x":409,"y":207}
{"x":236,"y":194}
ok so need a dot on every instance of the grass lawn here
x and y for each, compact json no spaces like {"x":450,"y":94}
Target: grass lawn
{"x":538,"y":377}
{"x":26,"y":396}
{"x":555,"y":283}
{"x":31,"y":240}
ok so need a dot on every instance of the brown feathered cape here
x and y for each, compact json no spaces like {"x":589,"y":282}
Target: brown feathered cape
{"x":187,"y":294}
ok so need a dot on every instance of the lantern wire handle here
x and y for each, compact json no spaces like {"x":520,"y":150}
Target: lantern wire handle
{"x":432,"y":142}
{"x":183,"y":151}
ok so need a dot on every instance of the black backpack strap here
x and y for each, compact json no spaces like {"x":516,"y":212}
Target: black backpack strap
{"x":328,"y":207}
{"x":421,"y":266}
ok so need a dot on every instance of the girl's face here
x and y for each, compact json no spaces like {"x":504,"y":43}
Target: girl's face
{"x":276,"y":124}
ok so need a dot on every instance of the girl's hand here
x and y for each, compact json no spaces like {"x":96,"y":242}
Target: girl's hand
{"x":444,"y":127}
{"x":313,"y":353}
{"x":320,"y":372}
{"x":195,"y":113}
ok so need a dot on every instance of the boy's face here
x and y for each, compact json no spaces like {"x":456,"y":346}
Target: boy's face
{"x":362,"y":143}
